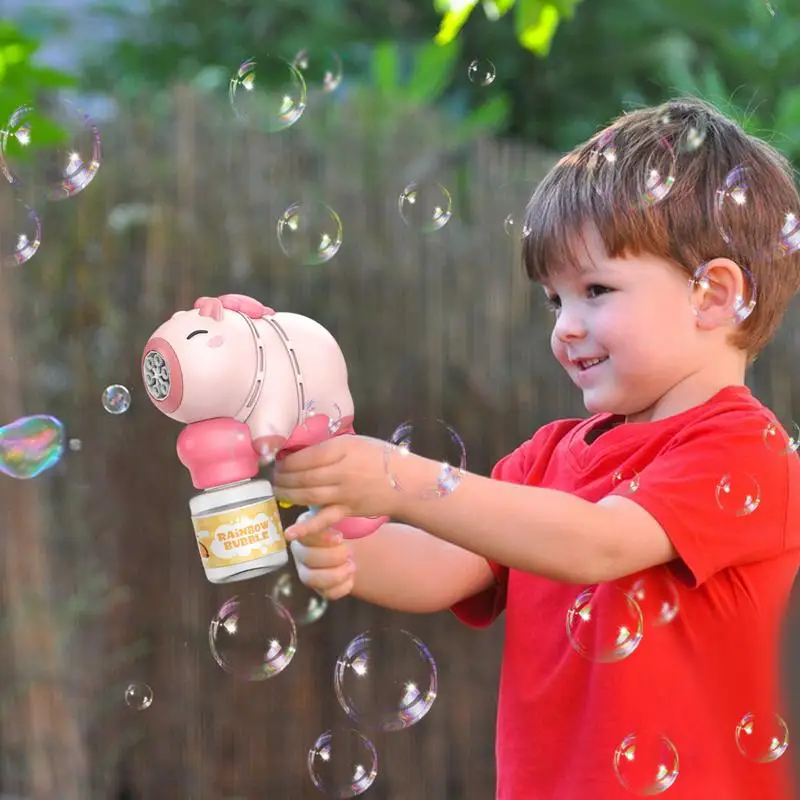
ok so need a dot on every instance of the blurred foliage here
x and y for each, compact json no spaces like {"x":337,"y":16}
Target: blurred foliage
{"x":23,"y":83}
{"x":535,"y":21}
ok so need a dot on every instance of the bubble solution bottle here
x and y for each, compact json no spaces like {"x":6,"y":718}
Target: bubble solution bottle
{"x":236,"y":519}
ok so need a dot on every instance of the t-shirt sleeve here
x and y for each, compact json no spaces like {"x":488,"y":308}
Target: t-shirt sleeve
{"x":481,"y":610}
{"x":720,"y":494}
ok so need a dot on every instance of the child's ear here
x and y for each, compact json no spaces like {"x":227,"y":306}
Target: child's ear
{"x":722,"y":293}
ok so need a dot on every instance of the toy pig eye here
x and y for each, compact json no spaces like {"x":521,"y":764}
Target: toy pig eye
{"x":194,"y":333}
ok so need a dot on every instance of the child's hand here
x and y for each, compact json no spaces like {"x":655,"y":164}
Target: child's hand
{"x":324,"y":563}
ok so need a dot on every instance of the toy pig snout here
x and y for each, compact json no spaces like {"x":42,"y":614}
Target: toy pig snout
{"x":161,"y":371}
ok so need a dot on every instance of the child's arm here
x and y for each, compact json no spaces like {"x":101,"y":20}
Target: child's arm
{"x":397,"y":567}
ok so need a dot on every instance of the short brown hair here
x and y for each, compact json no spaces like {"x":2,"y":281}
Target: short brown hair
{"x":602,"y":182}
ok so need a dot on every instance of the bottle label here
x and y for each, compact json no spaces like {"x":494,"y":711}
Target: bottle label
{"x":239,"y":535}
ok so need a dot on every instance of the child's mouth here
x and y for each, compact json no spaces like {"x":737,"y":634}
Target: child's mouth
{"x":590,"y":362}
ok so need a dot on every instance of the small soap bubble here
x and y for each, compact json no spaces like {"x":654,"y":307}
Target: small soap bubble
{"x":310,"y":233}
{"x":54,"y":152}
{"x":116,"y":399}
{"x":321,"y":69}
{"x":252,"y":637}
{"x":778,"y":440}
{"x":75,"y":445}
{"x":737,"y":200}
{"x":738,"y":494}
{"x":762,"y":737}
{"x":303,"y":604}
{"x":425,"y":206}
{"x":514,"y":196}
{"x":656,"y":594}
{"x":627,"y":479}
{"x":342,"y":763}
{"x":386,"y":679}
{"x":604,"y":624}
{"x":31,"y":445}
{"x":481,"y":72}
{"x":269,"y":94}
{"x":322,"y":420}
{"x":138,"y":696}
{"x":646,"y":765}
{"x":20,"y":231}
{"x":742,"y":304}
{"x":434,"y":440}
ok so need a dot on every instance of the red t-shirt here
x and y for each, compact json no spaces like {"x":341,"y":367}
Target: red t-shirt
{"x":690,"y":681}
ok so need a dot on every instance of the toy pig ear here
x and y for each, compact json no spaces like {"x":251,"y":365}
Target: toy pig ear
{"x":245,"y":305}
{"x":210,"y":307}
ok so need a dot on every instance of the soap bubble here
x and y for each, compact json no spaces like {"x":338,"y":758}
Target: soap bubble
{"x":20,"y":232}
{"x":435,"y":440}
{"x":304,"y":604}
{"x":743,"y":304}
{"x":481,"y":72}
{"x":269,"y":94}
{"x":646,"y":765}
{"x":321,"y":69}
{"x":738,"y":494}
{"x":116,"y":399}
{"x":604,"y":624}
{"x":386,"y":679}
{"x":343,"y":763}
{"x":627,"y":479}
{"x":778,"y":440}
{"x":762,"y":737}
{"x":30,"y":445}
{"x":742,"y":196}
{"x":252,"y":637}
{"x":139,"y":696}
{"x":425,"y":206}
{"x":656,"y":594}
{"x":54,"y":151}
{"x":310,"y":233}
{"x":514,"y":197}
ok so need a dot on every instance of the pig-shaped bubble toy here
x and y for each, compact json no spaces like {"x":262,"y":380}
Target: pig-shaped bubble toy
{"x":232,"y":359}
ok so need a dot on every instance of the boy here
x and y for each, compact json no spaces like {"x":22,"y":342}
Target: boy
{"x":676,"y":488}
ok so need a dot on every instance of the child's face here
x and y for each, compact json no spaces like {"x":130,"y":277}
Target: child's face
{"x":635,"y":314}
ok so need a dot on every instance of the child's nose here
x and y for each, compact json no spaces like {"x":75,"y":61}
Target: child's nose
{"x":570,"y":324}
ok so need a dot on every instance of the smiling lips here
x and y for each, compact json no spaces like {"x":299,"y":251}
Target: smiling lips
{"x":587,"y":363}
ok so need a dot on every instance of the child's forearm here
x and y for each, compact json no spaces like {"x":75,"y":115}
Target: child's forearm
{"x":406,"y":569}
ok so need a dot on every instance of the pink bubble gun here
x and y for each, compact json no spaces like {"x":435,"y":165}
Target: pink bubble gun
{"x":251,"y":385}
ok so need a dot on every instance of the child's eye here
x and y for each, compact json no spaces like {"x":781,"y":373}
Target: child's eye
{"x":596,"y":289}
{"x":552,"y":302}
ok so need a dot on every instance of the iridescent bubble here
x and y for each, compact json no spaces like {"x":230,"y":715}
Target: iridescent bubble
{"x":627,"y":479}
{"x":737,"y":494}
{"x":778,"y":440}
{"x":434,"y":440}
{"x":646,"y":765}
{"x":604,"y":624}
{"x":310,"y":233}
{"x":116,"y":399}
{"x":30,"y":445}
{"x":55,"y":150}
{"x":304,"y":604}
{"x":20,"y":231}
{"x":269,"y":94}
{"x":738,"y":200}
{"x":138,"y":696}
{"x":252,"y":637}
{"x":342,"y":763}
{"x":514,"y":196}
{"x":425,"y":206}
{"x":481,"y":72}
{"x":321,"y":69}
{"x":742,"y":305}
{"x":656,"y":594}
{"x":762,"y":737}
{"x":386,"y":679}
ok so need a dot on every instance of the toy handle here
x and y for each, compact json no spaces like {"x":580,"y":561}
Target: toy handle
{"x":355,"y":527}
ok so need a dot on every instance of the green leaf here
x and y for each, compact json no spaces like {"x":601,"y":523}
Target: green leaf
{"x":536,"y":22}
{"x":432,"y":71}
{"x":453,"y":22}
{"x":494,"y":9}
{"x":386,"y":67}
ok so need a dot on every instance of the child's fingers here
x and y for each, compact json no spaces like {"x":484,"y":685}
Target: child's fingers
{"x":315,"y":557}
{"x":315,"y":522}
{"x":332,"y":583}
